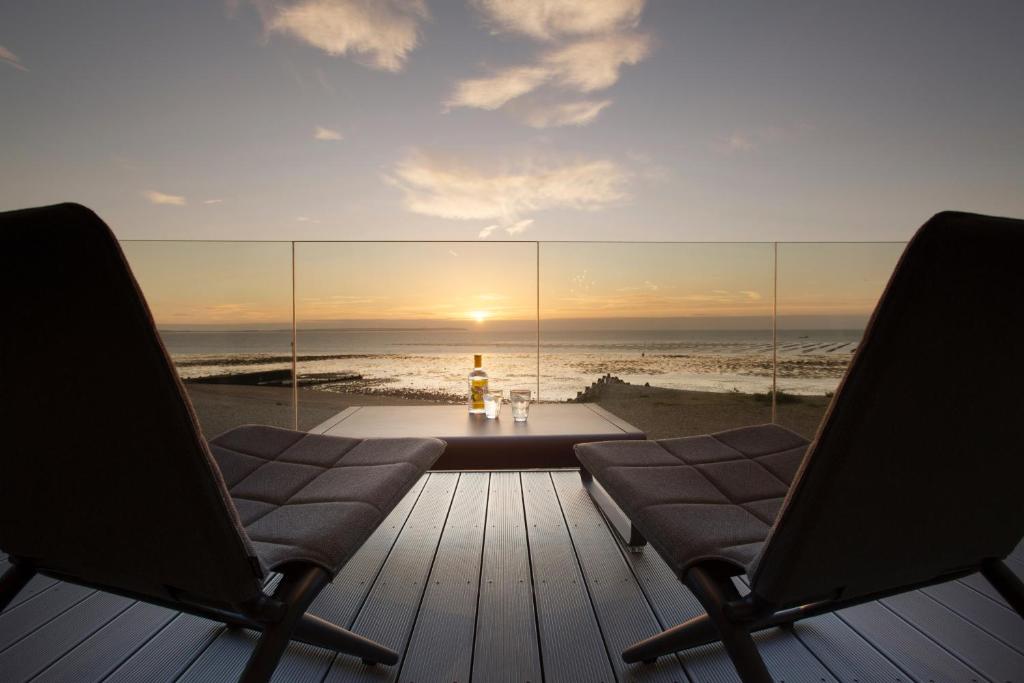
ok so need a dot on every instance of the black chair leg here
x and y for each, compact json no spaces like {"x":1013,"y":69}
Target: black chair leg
{"x":691,"y":633}
{"x":296,"y":591}
{"x":714,"y":593}
{"x":1006,"y":582}
{"x":11,"y":583}
{"x":316,"y":631}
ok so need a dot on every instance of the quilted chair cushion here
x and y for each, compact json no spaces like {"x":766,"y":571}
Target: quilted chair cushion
{"x":700,"y":498}
{"x":315,"y":498}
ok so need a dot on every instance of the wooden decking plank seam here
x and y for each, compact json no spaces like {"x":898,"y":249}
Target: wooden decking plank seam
{"x":38,"y":585}
{"x":929,"y":637}
{"x":104,"y":618}
{"x":563,"y":604}
{"x":980,"y":585}
{"x":533,"y":588}
{"x":480,"y":574}
{"x":800,"y":631}
{"x":974,"y":622}
{"x":668,"y":666}
{"x":426,"y":581}
{"x":90,"y":652}
{"x":586,"y":586}
{"x":43,"y":624}
{"x":446,"y":622}
{"x":973,"y":646}
{"x":506,"y":603}
{"x":388,"y":623}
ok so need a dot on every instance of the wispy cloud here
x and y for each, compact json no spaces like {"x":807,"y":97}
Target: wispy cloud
{"x":213,"y":201}
{"x":377,"y":33}
{"x":539,"y":115}
{"x":589,"y":44}
{"x":161,"y":198}
{"x":492,"y":92}
{"x":9,"y":57}
{"x":740,"y":141}
{"x":321,"y":133}
{"x":584,"y":66}
{"x":594,"y":64}
{"x":550,"y":19}
{"x":439,"y":186}
{"x":519,"y":226}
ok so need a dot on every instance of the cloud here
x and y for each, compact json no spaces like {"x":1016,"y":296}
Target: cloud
{"x":583,"y":66}
{"x":321,"y":133}
{"x":486,"y":232}
{"x":737,"y":142}
{"x":212,"y":201}
{"x":161,"y":198}
{"x":447,"y":188}
{"x":594,"y":64}
{"x":561,"y":114}
{"x":493,"y":92}
{"x":519,"y":226}
{"x":741,"y":141}
{"x":10,"y":58}
{"x":549,"y":19}
{"x":378,"y":33}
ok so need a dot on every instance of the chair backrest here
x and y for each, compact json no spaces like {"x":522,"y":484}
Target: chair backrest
{"x":104,"y":473}
{"x":918,"y":468}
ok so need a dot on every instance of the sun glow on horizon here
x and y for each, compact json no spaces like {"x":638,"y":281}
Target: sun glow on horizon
{"x":479,"y":316}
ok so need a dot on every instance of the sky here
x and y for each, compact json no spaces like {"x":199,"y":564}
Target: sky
{"x":484,"y":120}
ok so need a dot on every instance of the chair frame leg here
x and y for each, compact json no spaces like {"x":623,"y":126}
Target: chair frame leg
{"x":1006,"y":583}
{"x":296,"y":591}
{"x":716,"y":594}
{"x":12,"y":581}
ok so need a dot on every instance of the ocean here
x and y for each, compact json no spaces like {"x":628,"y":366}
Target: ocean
{"x":434,"y":361}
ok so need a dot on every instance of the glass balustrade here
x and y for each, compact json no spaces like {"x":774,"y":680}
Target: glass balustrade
{"x":223,"y":310}
{"x":676,"y":338}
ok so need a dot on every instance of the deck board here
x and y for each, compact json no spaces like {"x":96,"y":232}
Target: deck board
{"x":572,"y":647}
{"x":441,"y":646}
{"x":511,"y":577}
{"x":389,"y":613}
{"x":506,"y":648}
{"x":622,"y":610}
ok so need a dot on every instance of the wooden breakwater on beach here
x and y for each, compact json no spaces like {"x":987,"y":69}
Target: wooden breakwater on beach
{"x":276,"y":378}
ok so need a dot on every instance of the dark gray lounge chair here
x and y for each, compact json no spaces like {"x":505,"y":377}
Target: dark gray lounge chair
{"x":107,"y":481}
{"x":915,"y":476}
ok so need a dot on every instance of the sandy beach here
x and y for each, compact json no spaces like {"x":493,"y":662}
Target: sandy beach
{"x":659,"y":412}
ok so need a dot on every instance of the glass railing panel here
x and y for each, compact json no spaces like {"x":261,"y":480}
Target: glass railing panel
{"x":674,"y":338}
{"x":223,"y":310}
{"x":826,"y":293}
{"x":399,"y":322}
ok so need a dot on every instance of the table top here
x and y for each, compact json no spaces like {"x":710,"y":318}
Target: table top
{"x":453,"y":422}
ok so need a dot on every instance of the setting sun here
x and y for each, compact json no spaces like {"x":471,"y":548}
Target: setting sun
{"x":479,"y":316}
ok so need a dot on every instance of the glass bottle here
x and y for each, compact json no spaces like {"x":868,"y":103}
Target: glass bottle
{"x":477,"y":385}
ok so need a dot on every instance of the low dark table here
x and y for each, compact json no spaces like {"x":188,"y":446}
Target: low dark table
{"x":474,"y":442}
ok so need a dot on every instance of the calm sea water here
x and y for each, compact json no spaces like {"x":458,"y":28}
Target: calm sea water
{"x":436,"y":361}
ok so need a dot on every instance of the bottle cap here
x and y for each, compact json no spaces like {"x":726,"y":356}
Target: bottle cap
{"x":478,"y":360}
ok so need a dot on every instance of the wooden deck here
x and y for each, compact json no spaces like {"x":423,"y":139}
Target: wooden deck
{"x":510,"y":576}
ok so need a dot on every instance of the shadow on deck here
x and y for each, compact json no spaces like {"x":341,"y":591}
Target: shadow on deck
{"x":510,"y":576}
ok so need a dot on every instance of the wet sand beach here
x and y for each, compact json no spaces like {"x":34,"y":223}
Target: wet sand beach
{"x":659,"y":412}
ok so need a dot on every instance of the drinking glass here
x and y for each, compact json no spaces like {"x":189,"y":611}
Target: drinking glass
{"x":492,"y":404}
{"x":520,"y":399}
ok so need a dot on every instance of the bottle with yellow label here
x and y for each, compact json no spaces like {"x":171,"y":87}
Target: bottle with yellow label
{"x":477,"y":385}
